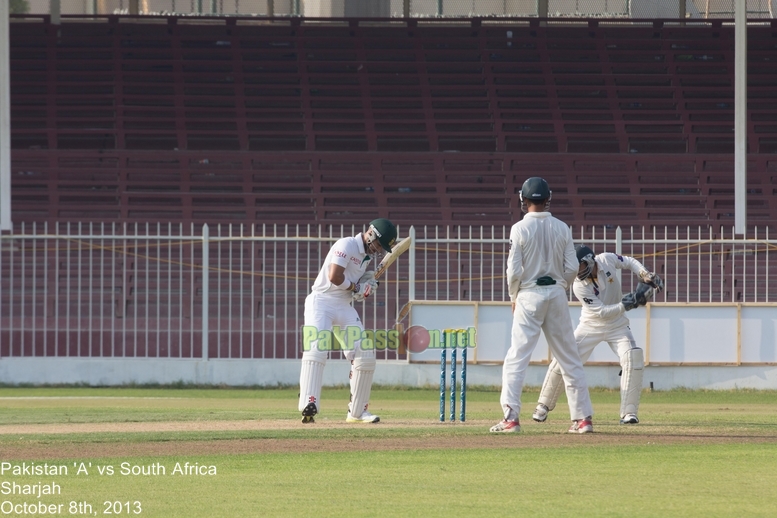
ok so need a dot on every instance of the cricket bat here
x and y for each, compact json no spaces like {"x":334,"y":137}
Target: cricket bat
{"x":400,"y":328}
{"x":399,"y":249}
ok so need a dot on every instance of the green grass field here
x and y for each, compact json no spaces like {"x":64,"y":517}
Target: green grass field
{"x":695,"y":453}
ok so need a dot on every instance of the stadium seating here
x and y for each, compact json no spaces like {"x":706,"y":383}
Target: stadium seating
{"x":431,"y":122}
{"x":424,"y":121}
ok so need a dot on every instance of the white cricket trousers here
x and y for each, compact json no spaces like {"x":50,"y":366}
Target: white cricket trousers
{"x":619,"y":338}
{"x":324,"y":313}
{"x":543,"y":308}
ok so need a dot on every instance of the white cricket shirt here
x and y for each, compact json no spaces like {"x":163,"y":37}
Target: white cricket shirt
{"x":347,"y":252}
{"x":540,"y":245}
{"x":601,"y":297}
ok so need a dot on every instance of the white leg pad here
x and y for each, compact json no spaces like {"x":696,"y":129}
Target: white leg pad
{"x":552,"y":386}
{"x":310,"y":378}
{"x":362,"y":371}
{"x":633,"y":364}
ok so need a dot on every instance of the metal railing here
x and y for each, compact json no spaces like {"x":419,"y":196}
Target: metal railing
{"x":165,"y":291}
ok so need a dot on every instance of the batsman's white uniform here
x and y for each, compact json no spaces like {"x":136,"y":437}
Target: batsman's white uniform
{"x":541,"y":246}
{"x":328,"y":306}
{"x":603,"y":319}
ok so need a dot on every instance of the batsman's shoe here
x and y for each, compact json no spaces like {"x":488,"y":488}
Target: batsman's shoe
{"x":582,"y":426}
{"x":629,"y":419}
{"x":366,"y":417}
{"x":308,"y":412}
{"x":505,"y":426}
{"x":540,"y":413}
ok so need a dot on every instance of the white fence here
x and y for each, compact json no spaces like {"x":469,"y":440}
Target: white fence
{"x":237,"y":292}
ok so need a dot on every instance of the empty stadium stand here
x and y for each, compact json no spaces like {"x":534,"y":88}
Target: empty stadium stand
{"x":120,"y":120}
{"x":250,"y":120}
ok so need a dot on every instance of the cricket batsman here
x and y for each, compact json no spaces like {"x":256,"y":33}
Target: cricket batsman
{"x":343,"y":279}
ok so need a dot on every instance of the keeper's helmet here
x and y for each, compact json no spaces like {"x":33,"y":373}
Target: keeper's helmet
{"x":535,"y":189}
{"x":385,"y":232}
{"x":585,"y":256}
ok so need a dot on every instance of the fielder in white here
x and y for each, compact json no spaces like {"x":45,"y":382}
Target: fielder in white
{"x":603,"y":319}
{"x":343,"y":279}
{"x":540,"y":266}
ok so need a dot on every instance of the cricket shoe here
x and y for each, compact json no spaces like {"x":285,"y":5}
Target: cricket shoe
{"x":582,"y":426}
{"x":540,"y":413}
{"x":366,"y":417}
{"x":629,"y":419}
{"x":505,"y":426}
{"x":308,"y":412}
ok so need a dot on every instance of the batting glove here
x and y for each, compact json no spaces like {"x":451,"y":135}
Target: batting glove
{"x":368,"y":276}
{"x":362,"y":290}
{"x":653,"y":280}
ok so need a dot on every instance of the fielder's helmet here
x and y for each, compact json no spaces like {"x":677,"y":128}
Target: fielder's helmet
{"x":535,"y":189}
{"x":385,"y":231}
